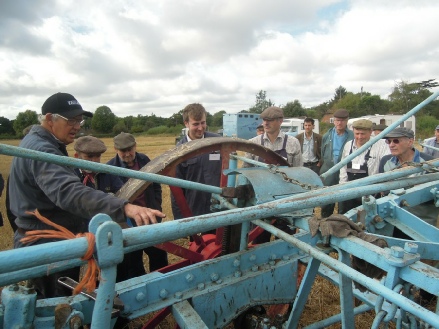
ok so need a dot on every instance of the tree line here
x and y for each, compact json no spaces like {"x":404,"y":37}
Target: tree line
{"x":403,"y":98}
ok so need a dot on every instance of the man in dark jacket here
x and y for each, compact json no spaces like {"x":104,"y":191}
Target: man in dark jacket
{"x":205,"y":169}
{"x":127,"y":157}
{"x":311,"y":144}
{"x":56,"y":190}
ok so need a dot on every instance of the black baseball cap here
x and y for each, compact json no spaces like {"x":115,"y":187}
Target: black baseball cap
{"x":65,"y":105}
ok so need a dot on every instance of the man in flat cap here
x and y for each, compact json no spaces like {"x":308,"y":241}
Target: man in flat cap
{"x":56,"y":191}
{"x":363,"y":165}
{"x":400,"y":141}
{"x":377,"y":129}
{"x":333,"y":143}
{"x":128,"y":157}
{"x":275,"y":139}
{"x":434,"y":142}
{"x":90,"y":148}
{"x":259,"y":129}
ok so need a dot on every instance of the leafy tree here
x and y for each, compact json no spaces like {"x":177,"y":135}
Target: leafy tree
{"x":340,"y":92}
{"x":120,"y":127}
{"x":103,"y":120}
{"x":373,"y":105}
{"x":261,"y":102}
{"x":176,"y":118}
{"x":23,"y":120}
{"x":406,"y":96}
{"x":6,"y":127}
{"x":294,"y":109}
{"x":217,"y":120}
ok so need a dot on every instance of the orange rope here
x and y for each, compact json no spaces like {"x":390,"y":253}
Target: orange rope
{"x":93,"y":272}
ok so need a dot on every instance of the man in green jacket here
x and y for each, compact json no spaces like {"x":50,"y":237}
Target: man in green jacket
{"x":332,"y":148}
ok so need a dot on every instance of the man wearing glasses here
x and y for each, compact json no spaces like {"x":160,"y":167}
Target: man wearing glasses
{"x":400,"y":141}
{"x":333,"y":142}
{"x":56,"y":191}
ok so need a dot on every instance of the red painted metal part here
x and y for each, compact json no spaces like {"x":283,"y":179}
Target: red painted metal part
{"x":206,"y":246}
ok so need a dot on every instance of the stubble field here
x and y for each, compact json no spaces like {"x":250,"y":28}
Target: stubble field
{"x":323,"y":300}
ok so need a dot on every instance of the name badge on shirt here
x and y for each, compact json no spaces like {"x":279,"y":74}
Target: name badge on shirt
{"x":214,"y":157}
{"x":356,"y":166}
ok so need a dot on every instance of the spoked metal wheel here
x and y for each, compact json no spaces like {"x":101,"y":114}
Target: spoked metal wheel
{"x":209,"y":245}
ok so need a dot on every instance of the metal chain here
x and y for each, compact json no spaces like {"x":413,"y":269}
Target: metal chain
{"x":430,"y":167}
{"x":275,"y":170}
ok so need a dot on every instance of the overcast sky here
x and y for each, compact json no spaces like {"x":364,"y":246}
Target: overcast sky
{"x":144,"y":57}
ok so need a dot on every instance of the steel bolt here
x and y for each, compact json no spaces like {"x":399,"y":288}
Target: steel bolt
{"x":163,"y":293}
{"x":200,"y":286}
{"x":140,"y":296}
{"x":236,"y":262}
{"x":214,"y":277}
{"x":271,"y":262}
{"x":411,"y":247}
{"x":178,"y":295}
{"x":254,"y":268}
{"x":273,"y":256}
{"x":397,"y":252}
{"x":219,"y":281}
{"x":238,"y":274}
{"x":252,"y":258}
{"x":285,"y":257}
{"x":189,"y":277}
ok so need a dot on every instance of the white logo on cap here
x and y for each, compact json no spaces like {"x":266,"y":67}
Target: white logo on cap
{"x":74,"y":102}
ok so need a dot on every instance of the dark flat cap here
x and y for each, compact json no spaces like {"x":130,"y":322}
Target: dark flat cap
{"x":400,"y":132}
{"x":437,"y":127}
{"x":260,"y":127}
{"x":90,"y":145}
{"x":272,"y":112}
{"x":379,"y":127}
{"x":124,"y":141}
{"x":362,"y":124}
{"x":341,"y":113}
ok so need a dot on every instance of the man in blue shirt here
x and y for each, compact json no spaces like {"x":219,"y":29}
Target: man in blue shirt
{"x":332,"y":148}
{"x":433,"y":141}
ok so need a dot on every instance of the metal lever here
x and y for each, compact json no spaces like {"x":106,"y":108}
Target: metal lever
{"x":72,"y":284}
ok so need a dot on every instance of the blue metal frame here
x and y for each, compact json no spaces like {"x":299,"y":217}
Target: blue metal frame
{"x":212,"y":293}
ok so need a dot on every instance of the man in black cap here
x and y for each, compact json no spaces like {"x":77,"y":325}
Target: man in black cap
{"x":332,"y":148}
{"x":128,"y":157}
{"x":275,"y":139}
{"x":56,"y":190}
{"x":433,"y":141}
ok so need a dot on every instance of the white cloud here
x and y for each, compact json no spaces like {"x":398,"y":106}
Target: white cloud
{"x":142,"y":57}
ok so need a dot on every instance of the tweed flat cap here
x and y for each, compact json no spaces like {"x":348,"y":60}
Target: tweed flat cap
{"x":124,"y":141}
{"x":90,"y":145}
{"x":401,"y":132}
{"x":272,"y":112}
{"x":363,"y":124}
{"x":341,"y":113}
